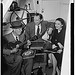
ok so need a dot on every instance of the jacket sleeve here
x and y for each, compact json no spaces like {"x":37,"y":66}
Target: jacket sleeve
{"x":27,"y":32}
{"x":54,"y":40}
{"x":58,"y":38}
{"x":6,"y":51}
{"x":4,"y":45}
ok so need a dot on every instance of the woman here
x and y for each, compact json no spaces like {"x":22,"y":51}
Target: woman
{"x":48,"y":45}
{"x":58,"y":40}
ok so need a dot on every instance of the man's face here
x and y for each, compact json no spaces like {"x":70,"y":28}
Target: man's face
{"x":18,"y":31}
{"x":37,"y":20}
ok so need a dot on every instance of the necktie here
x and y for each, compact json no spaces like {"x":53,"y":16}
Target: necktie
{"x":38,"y":31}
{"x":50,"y":37}
{"x":17,"y":38}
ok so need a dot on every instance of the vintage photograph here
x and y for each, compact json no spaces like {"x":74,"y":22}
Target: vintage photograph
{"x":33,"y":36}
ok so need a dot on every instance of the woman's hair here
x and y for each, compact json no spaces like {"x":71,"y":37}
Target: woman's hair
{"x":62,"y":22}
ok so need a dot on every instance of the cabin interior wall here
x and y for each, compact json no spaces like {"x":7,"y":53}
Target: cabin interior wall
{"x":51,"y":8}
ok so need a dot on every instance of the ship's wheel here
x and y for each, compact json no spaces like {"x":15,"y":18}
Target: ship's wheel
{"x":15,"y":16}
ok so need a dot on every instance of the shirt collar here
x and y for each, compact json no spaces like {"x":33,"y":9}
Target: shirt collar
{"x":38,"y":25}
{"x":15,"y":36}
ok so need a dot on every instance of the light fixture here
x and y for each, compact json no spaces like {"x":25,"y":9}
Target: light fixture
{"x":14,"y":6}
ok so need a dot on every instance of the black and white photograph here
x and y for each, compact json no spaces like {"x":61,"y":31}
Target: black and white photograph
{"x":35,"y":37}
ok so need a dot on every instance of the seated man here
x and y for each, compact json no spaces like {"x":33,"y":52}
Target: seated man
{"x":12,"y":52}
{"x":35,"y":30}
{"x":38,"y":28}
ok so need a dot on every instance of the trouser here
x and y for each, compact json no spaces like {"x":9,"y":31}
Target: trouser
{"x":15,"y":65}
{"x":27,"y":66}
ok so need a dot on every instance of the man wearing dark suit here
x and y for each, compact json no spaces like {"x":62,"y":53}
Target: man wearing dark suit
{"x":33,"y":27}
{"x":13,"y":56}
{"x":36,"y":29}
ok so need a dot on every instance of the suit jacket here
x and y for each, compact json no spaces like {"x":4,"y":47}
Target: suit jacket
{"x":8,"y":56}
{"x":58,"y":37}
{"x":30,"y":29}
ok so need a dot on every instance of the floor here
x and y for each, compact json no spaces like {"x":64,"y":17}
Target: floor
{"x":48,"y":70}
{"x":44,"y":67}
{"x":36,"y":72}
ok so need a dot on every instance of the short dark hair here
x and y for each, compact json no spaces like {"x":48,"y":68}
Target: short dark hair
{"x":38,"y":14}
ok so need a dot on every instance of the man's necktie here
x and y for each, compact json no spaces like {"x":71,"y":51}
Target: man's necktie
{"x":38,"y":31}
{"x":17,"y":38}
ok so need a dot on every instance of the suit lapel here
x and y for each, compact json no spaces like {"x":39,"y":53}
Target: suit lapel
{"x":22,"y":37}
{"x":43,"y":27}
{"x":32,"y":31}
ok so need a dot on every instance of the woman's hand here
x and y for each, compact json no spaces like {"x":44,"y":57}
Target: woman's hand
{"x":60,"y":46}
{"x":28,"y":42}
{"x":59,"y":51}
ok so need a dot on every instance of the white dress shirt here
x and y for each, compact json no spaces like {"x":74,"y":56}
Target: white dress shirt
{"x":15,"y":36}
{"x":36,"y":27}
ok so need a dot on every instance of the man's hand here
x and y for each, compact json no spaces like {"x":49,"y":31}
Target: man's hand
{"x":14,"y":50}
{"x":54,"y":46}
{"x":28,"y":42}
{"x":17,"y":46}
